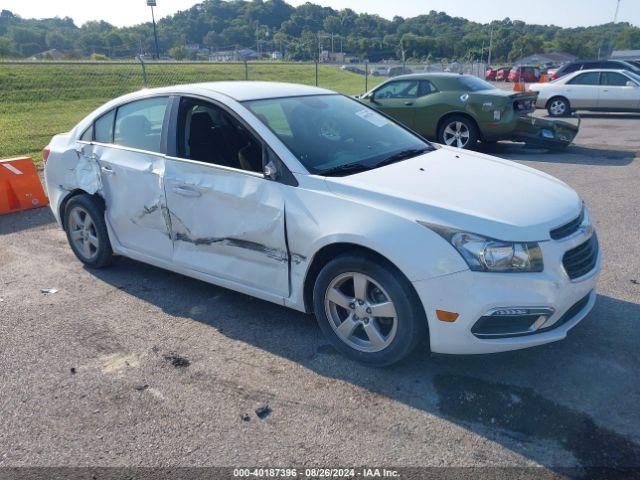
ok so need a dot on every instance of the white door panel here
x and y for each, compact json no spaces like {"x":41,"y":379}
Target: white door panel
{"x":132,"y":183}
{"x":619,"y":97}
{"x":229,"y":224}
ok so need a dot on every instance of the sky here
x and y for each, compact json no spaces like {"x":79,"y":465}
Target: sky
{"x":565,"y":13}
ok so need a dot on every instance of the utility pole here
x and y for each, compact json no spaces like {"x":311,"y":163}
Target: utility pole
{"x":152,"y":3}
{"x":490,"y":45}
{"x":615,"y":17}
{"x":615,"y":20}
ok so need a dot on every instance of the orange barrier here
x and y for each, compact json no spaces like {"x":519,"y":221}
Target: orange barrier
{"x":20,"y":187}
{"x":518,"y":87}
{"x":543,"y":79}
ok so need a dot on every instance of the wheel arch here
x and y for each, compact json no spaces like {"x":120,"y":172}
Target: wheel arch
{"x":458,"y":113}
{"x":332,"y":250}
{"x":562,"y":97}
{"x":72,"y":194}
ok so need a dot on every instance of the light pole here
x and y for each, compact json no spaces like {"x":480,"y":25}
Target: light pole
{"x":152,"y":3}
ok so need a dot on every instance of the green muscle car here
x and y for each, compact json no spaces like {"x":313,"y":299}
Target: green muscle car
{"x":460,"y":110}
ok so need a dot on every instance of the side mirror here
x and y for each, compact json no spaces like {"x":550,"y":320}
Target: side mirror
{"x":631,"y":84}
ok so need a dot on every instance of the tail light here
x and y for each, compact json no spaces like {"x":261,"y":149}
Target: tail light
{"x":45,"y":154}
{"x":554,"y":76}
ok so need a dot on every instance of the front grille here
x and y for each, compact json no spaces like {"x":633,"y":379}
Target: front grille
{"x":568,"y":229}
{"x":582,"y":259}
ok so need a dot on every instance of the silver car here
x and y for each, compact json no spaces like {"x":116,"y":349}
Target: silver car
{"x":598,"y":90}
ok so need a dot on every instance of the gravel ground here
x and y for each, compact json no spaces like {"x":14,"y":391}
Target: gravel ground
{"x":136,"y":366}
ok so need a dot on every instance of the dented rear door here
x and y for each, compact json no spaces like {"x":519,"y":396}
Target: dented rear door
{"x":228,"y":223}
{"x":134,"y":195}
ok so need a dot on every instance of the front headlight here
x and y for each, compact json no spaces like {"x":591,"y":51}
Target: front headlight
{"x":484,"y":254}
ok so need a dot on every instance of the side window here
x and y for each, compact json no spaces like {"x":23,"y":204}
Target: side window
{"x":591,"y":78}
{"x":103,"y":128}
{"x":399,"y":89}
{"x":613,"y":79}
{"x":209,"y":134}
{"x":139,"y":124}
{"x":426,"y":88}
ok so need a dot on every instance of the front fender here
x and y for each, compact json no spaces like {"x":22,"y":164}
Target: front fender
{"x":316,"y":219}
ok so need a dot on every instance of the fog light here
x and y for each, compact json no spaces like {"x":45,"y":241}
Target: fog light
{"x":511,"y":321}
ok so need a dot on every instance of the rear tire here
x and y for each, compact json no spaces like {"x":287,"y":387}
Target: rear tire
{"x":558,"y":107}
{"x":368,"y":310}
{"x":87,"y":231}
{"x":458,"y":131}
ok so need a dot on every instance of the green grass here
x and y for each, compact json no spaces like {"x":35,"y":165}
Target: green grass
{"x":38,"y":101}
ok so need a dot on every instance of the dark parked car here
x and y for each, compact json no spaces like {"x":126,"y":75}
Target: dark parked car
{"x":352,"y":69}
{"x":595,"y":65}
{"x":395,"y":71}
{"x":524,"y":73}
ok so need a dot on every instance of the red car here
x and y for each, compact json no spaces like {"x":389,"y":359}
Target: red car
{"x":490,"y":74}
{"x":524,"y":74}
{"x":502,"y":74}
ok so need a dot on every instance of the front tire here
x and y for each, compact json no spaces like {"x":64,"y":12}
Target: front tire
{"x":558,"y":107}
{"x":368,"y":310}
{"x":87,"y":231}
{"x":458,"y":131}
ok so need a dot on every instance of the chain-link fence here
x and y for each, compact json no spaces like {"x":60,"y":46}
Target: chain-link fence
{"x":41,"y":99}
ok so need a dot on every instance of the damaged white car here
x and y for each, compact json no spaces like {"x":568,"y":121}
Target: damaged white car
{"x":309,"y":199}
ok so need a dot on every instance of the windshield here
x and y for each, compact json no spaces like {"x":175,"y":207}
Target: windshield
{"x":334,"y":134}
{"x":474,"y":84}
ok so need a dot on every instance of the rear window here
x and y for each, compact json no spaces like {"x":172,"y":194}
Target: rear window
{"x":591,"y":78}
{"x":139,"y":124}
{"x":474,"y":84}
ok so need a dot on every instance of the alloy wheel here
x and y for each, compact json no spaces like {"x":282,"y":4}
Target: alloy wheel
{"x":456,"y":134}
{"x":83,"y":233}
{"x":557,"y":107}
{"x":361,"y":312}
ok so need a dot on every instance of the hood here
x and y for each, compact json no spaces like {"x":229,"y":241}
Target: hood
{"x":468,"y":191}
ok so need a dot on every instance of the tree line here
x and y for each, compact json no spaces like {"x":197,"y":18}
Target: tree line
{"x":300,"y":33}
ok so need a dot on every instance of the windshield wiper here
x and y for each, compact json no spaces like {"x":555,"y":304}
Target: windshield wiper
{"x":345,"y":169}
{"x":402,"y":155}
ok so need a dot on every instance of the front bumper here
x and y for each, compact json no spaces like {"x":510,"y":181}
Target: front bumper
{"x":472,"y":294}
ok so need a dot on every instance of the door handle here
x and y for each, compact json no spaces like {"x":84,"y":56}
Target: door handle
{"x":408,"y":103}
{"x":107,"y":170}
{"x":186,"y":191}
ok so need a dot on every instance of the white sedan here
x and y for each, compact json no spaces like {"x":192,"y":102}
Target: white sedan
{"x":598,"y":90}
{"x":309,"y":199}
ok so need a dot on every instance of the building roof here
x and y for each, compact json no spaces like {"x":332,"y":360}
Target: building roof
{"x":626,"y":54}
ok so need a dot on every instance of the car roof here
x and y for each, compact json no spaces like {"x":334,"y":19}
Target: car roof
{"x":247,"y":90}
{"x":428,"y":75}
{"x":598,"y":70}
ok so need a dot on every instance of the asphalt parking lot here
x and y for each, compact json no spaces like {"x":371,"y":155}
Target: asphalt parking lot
{"x":135,"y":366}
